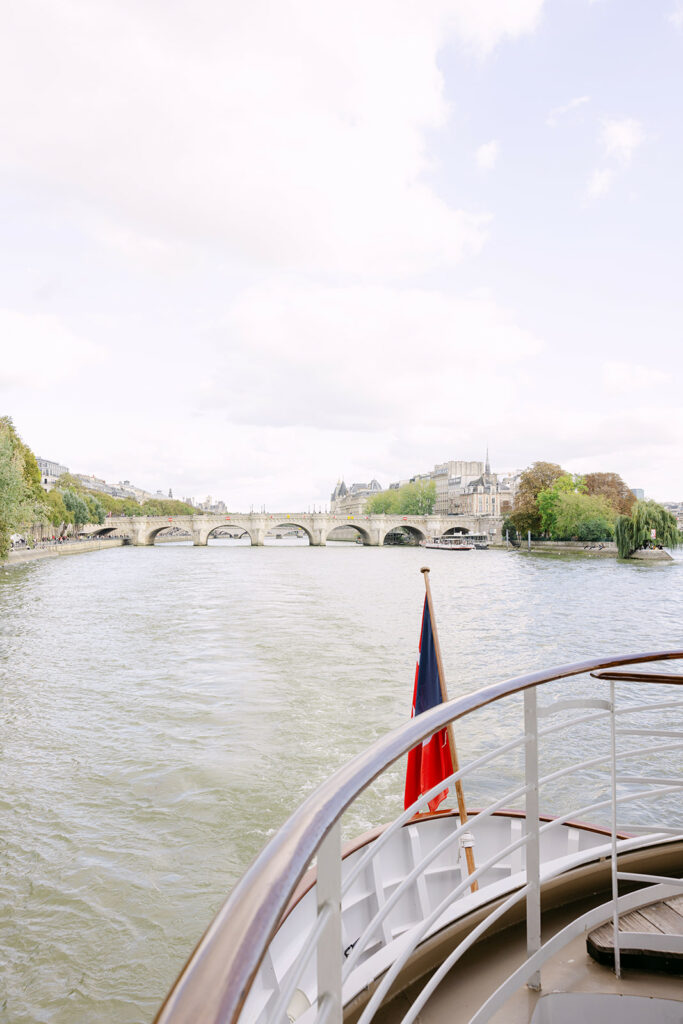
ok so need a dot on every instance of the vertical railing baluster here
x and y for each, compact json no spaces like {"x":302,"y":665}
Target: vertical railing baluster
{"x":329,"y":953}
{"x":615,"y":879}
{"x":533,"y":858}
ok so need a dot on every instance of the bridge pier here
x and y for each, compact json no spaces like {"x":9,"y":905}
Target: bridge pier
{"x":200,"y":539}
{"x":141,"y":539}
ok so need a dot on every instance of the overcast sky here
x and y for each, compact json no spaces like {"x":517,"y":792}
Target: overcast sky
{"x":248,"y":248}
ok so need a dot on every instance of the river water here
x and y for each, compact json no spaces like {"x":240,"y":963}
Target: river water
{"x":165,"y":709}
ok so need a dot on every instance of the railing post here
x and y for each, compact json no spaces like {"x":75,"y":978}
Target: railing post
{"x":329,"y":952}
{"x":533,"y":859}
{"x":615,"y":879}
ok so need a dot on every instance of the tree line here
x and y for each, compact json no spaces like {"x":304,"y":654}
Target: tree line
{"x":70,"y":495}
{"x":553,"y":504}
{"x":24,"y":503}
{"x":417,"y":499}
{"x":22,"y":498}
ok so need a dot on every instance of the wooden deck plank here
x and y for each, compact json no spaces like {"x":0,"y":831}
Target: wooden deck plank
{"x":667,"y":920}
{"x":631,"y":922}
{"x":676,"y":902}
{"x":637,"y":922}
{"x":602,"y":936}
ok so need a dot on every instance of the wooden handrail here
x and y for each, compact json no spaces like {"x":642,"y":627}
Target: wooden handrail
{"x":639,"y":677}
{"x":213,"y":985}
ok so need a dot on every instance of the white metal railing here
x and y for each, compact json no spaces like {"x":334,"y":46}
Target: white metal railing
{"x":343,"y":965}
{"x":530,"y":840}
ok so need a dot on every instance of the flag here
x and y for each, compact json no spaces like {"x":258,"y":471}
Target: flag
{"x":432,"y":760}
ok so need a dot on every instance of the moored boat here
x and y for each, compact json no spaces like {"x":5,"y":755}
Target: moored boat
{"x":397,"y":926}
{"x":448,"y":544}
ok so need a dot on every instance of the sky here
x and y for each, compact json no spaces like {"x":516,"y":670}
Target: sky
{"x":250,"y":249}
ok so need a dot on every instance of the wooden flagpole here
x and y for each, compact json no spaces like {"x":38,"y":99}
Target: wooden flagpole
{"x":462,"y":809}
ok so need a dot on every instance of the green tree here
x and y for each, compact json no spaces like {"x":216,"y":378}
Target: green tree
{"x":16,"y":504}
{"x":417,"y":499}
{"x":582,"y":516}
{"x":539,"y":477}
{"x":547,"y":500}
{"x":384,"y":503}
{"x":57,"y":512}
{"x":76,"y":505}
{"x":509,"y":530}
{"x":32,"y":477}
{"x":636,"y":531}
{"x":95,"y":508}
{"x":22,"y":499}
{"x":67,"y":481}
{"x":166,"y":507}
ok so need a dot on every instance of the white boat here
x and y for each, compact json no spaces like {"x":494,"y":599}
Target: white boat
{"x":395,"y":925}
{"x":448,"y":544}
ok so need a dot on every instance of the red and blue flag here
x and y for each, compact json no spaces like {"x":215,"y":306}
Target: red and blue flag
{"x":431,"y":762}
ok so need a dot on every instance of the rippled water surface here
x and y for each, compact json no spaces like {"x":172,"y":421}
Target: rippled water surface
{"x":165,"y":709}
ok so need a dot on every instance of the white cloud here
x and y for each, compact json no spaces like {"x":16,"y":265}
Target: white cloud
{"x":284,"y":146}
{"x":600,"y":182}
{"x":40,"y":352}
{"x":558,"y":112}
{"x":620,"y":138}
{"x":487,"y":155}
{"x":676,"y":16}
{"x":290,"y":135}
{"x":484,"y":25}
{"x":623,"y":378}
{"x":358,"y":358}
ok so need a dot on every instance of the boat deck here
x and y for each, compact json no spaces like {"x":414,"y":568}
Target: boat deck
{"x":489,"y":963}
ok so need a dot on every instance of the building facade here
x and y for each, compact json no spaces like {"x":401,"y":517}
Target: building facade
{"x":351,"y":500}
{"x":216,"y":506}
{"x":463,"y":487}
{"x":50,"y":472}
{"x":487,"y":494}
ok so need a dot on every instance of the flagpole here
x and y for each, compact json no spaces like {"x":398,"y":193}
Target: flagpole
{"x":462,"y":809}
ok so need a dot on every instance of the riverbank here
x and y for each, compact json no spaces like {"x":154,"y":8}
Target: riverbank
{"x":603,"y":549}
{"x":607,"y":549}
{"x":69,"y":547}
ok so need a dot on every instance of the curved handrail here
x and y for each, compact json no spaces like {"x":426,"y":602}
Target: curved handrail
{"x":215,"y":982}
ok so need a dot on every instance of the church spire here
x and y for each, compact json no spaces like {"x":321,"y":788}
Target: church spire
{"x":488,"y":466}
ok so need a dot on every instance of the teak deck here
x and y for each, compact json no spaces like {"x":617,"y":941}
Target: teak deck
{"x":664,"y":918}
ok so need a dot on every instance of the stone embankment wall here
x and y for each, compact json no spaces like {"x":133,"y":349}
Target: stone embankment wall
{"x":603,"y":548}
{"x":73,"y":547}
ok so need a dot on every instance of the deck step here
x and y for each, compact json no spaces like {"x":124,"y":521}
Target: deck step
{"x":650,"y":938}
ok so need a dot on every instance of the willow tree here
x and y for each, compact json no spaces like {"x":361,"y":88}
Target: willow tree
{"x":649,"y":525}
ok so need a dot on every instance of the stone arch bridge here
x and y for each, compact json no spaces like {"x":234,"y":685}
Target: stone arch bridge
{"x":319,"y":527}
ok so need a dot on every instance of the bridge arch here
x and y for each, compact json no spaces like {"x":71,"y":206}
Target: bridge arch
{"x":233,"y":528}
{"x":456,"y":531}
{"x":104,"y":531}
{"x":287,"y":524}
{"x":415,"y":534}
{"x":361,"y":533}
{"x":181,"y":534}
